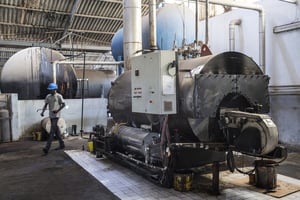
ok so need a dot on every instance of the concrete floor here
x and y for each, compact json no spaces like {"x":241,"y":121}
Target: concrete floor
{"x":76,"y":174}
{"x":127,"y":185}
{"x":25,"y":174}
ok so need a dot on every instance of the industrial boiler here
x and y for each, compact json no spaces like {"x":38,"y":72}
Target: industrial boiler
{"x":176,"y":110}
{"x":172,"y":113}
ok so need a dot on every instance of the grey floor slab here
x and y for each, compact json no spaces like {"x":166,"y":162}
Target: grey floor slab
{"x":128,"y":185}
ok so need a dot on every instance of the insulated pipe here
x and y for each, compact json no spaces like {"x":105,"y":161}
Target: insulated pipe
{"x":152,"y":24}
{"x":260,"y":10}
{"x":88,"y":62}
{"x":232,"y":25}
{"x":54,"y":71}
{"x":132,"y":31}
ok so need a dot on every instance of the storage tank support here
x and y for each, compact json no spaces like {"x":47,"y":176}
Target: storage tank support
{"x":215,"y":178}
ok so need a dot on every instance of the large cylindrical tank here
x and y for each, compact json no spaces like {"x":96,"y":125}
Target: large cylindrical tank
{"x":98,"y":82}
{"x":29,"y":71}
{"x":175,"y":26}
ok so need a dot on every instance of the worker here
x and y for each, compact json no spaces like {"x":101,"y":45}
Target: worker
{"x":56,"y":104}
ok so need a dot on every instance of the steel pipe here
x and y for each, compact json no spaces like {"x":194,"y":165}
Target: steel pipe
{"x":89,"y":62}
{"x":74,"y":62}
{"x":232,"y":25}
{"x":287,"y":27}
{"x":206,"y":21}
{"x":260,"y":10}
{"x":289,"y":1}
{"x":152,"y":24}
{"x":196,"y":23}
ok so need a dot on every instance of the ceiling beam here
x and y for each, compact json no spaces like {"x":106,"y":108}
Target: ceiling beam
{"x":59,"y":12}
{"x":22,"y":43}
{"x":56,"y":28}
{"x":121,"y":2}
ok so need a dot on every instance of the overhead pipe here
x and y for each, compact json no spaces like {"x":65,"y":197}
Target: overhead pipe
{"x":132,"y":30}
{"x":232,"y":25}
{"x":290,"y":1}
{"x":79,"y":62}
{"x":287,"y":27}
{"x":88,"y":62}
{"x":152,"y":24}
{"x":260,"y":10}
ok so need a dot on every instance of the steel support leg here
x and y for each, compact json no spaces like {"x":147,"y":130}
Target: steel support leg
{"x":215,"y":178}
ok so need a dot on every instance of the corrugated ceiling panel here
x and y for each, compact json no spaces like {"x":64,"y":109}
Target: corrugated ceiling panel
{"x":40,"y":20}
